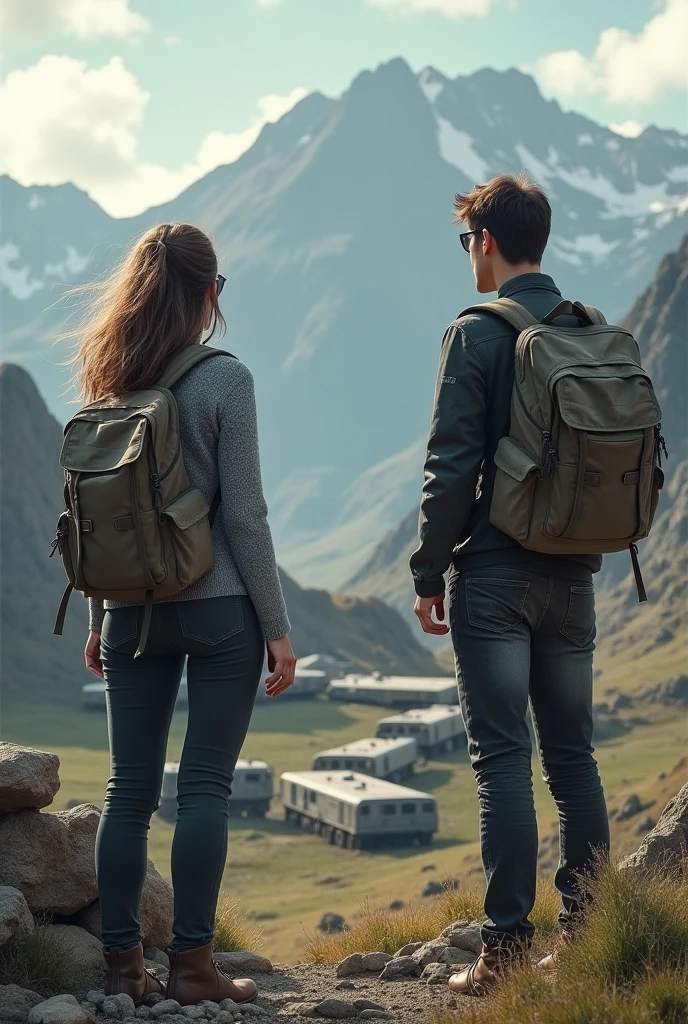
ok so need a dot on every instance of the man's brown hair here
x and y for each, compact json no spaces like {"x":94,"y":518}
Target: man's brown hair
{"x":514,"y":210}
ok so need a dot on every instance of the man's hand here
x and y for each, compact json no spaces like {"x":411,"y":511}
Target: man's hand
{"x":92,"y":654}
{"x":423,"y":609}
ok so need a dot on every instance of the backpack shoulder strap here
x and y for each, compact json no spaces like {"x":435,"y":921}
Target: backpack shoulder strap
{"x":594,"y":314}
{"x":183,"y":362}
{"x":513,"y":312}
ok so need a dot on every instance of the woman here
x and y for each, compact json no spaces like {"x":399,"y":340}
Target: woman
{"x":164,"y":297}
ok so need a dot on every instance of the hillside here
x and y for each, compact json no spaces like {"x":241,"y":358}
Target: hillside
{"x":647,"y":641}
{"x":33,"y":663}
{"x":343,"y":267}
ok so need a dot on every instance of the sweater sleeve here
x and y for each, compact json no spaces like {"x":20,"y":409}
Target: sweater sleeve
{"x":244,"y":510}
{"x":96,"y":614}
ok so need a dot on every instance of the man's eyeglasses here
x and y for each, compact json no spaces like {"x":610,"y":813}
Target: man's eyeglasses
{"x":465,"y":238}
{"x":220,"y":284}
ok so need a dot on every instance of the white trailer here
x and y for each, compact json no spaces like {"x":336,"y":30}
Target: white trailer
{"x":393,"y":691}
{"x":308,"y":684}
{"x":252,"y":790}
{"x":358,"y":812}
{"x":382,"y":758}
{"x":93,"y":695}
{"x":437,"y":729}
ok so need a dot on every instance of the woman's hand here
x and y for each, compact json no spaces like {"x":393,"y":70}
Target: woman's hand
{"x":282,"y":665}
{"x":92,"y":655}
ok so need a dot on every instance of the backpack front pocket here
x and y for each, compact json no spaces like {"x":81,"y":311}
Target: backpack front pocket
{"x":190,"y":535}
{"x":514,"y":489}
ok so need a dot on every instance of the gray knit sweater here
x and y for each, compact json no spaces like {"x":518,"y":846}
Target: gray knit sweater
{"x":219,"y":438}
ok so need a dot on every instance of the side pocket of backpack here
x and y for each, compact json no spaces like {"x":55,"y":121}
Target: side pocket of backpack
{"x":186,"y":517}
{"x":511,"y":510}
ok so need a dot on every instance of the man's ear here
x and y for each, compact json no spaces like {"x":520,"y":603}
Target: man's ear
{"x":489,"y":244}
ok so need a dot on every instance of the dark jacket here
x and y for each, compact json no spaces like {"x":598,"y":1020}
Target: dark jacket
{"x":472,"y":412}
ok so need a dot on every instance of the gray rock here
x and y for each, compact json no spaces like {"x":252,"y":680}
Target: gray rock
{"x":16,"y":1002}
{"x":300,"y":1009}
{"x":466,"y":937}
{"x":366,"y":1004}
{"x":165,"y":1006}
{"x":144,"y":1013}
{"x":90,"y":1008}
{"x":155,"y":912}
{"x":229,"y":1004}
{"x":49,"y":857}
{"x":374,"y":1014}
{"x":245,"y":962}
{"x":409,"y":948}
{"x":332,"y":923}
{"x":427,"y":867}
{"x":118,"y":1006}
{"x":644,"y":825}
{"x":456,"y":957}
{"x":436,"y":974}
{"x":83,"y":949}
{"x":666,"y":845}
{"x":429,"y":952}
{"x":153,"y":998}
{"x":251,"y":1010}
{"x":196,"y":1013}
{"x":345,"y":984}
{"x":397,"y":905}
{"x":375,"y":961}
{"x":28,"y":778}
{"x":401,"y":967}
{"x":58,"y":1010}
{"x":96,"y":996}
{"x":15,"y":917}
{"x":631,"y":806}
{"x":226,"y":1017}
{"x":210,"y":1006}
{"x":157,"y":956}
{"x":619,"y":702}
{"x":335,"y":1009}
{"x":352,"y":964}
{"x":433,"y":889}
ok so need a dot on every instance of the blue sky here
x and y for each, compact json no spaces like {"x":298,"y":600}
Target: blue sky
{"x":131,"y":99}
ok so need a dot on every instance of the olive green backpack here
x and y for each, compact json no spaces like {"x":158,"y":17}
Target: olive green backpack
{"x":133,"y":529}
{"x":580,"y":470}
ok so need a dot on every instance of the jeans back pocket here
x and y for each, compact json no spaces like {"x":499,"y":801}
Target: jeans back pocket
{"x":495,"y":604}
{"x":579,"y":623}
{"x":211,"y":620}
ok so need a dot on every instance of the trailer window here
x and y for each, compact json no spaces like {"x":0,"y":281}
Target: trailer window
{"x":348,"y":764}
{"x":408,"y":808}
{"x":252,"y":776}
{"x":312,"y":796}
{"x":293,"y":792}
{"x":414,"y":729}
{"x":365,"y":808}
{"x":389,"y":808}
{"x":334,"y":763}
{"x":386,"y":764}
{"x":428,"y":808}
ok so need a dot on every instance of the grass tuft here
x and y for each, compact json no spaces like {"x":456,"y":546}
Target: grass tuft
{"x":41,"y":962}
{"x":627,"y":965}
{"x":385,"y":931}
{"x":233,"y":932}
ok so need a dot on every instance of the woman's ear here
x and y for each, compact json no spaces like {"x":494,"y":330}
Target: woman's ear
{"x":210,"y":303}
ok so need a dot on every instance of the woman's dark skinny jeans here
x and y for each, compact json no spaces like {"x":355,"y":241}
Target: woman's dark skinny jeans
{"x":222,"y":639}
{"x":517,"y":636}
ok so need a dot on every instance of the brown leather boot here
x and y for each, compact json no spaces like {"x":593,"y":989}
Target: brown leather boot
{"x":194,"y":976}
{"x":487,"y":971}
{"x":127,"y":973}
{"x":552,"y":962}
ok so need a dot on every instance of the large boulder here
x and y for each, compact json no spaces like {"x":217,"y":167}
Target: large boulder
{"x":16,"y":1002}
{"x":59,"y":1010}
{"x":16,"y":921}
{"x":666,"y":845}
{"x":28,"y":778}
{"x":49,"y":857}
{"x":83,"y":950}
{"x":155,"y":911}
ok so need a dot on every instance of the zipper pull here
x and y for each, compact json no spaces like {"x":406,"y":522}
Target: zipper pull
{"x":549,"y":453}
{"x":157,"y":498}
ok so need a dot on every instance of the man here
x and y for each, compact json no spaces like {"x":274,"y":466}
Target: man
{"x":522,"y":623}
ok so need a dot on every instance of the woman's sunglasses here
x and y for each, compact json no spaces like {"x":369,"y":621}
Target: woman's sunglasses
{"x":465,"y":238}
{"x":220,"y":284}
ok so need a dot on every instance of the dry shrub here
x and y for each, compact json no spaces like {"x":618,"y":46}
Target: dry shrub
{"x":41,"y":963}
{"x":232,"y":931}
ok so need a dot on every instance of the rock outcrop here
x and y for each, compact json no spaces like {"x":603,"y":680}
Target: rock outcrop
{"x":28,"y":778}
{"x":666,"y":845}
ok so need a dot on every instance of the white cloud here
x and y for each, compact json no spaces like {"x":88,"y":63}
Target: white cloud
{"x":66,"y":122}
{"x":629,"y":129}
{"x":451,"y":8}
{"x":625,"y":68}
{"x":269,"y":3}
{"x":86,"y":19}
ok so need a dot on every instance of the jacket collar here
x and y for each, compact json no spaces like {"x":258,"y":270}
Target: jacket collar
{"x":527,"y":282}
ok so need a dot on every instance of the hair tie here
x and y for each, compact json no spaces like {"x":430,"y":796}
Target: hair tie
{"x":161,"y":244}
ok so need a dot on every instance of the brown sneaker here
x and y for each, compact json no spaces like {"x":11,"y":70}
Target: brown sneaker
{"x":194,"y":976}
{"x":127,"y":973}
{"x":551,"y":962}
{"x":487,"y":971}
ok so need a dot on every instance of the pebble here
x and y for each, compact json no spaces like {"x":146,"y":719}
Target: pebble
{"x":401,"y":967}
{"x":375,"y":961}
{"x":229,"y":1004}
{"x":210,"y":1006}
{"x":466,"y":937}
{"x":436,"y":974}
{"x":409,"y":948}
{"x":118,"y":1006}
{"x":300,"y":1009}
{"x":335,"y":1009}
{"x":144,"y":1013}
{"x":153,"y":998}
{"x":352,"y":964}
{"x":429,"y":952}
{"x":165,"y":1006}
{"x":195,"y":1012}
{"x":96,"y":996}
{"x":366,"y":1004}
{"x":345,"y":984}
{"x":226,"y":1017}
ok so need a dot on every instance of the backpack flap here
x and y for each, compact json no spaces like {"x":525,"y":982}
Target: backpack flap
{"x":606,"y":399}
{"x":102,"y":446}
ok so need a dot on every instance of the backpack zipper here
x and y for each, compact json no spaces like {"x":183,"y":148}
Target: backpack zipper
{"x":548,"y":454}
{"x":661,"y":444}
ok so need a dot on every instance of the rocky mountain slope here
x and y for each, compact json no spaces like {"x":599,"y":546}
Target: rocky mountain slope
{"x":35,"y":663}
{"x":658,"y":321}
{"x":343,"y":270}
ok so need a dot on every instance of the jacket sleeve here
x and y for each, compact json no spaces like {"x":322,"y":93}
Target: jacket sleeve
{"x":455,"y":454}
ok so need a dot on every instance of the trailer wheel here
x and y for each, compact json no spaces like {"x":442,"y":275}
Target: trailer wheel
{"x":306,"y":823}
{"x":425,"y":838}
{"x":339,"y":838}
{"x":349,"y":841}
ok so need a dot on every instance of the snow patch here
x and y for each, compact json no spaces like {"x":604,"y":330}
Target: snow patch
{"x":583,"y":249}
{"x":458,"y":149}
{"x":35,"y":201}
{"x":304,"y":140}
{"x":72,"y":264}
{"x":18,"y":280}
{"x":586,"y":139}
{"x":612,"y":145}
{"x":677,"y":173}
{"x":430,"y":86}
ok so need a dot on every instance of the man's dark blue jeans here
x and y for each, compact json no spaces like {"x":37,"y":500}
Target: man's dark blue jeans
{"x":518,"y":635}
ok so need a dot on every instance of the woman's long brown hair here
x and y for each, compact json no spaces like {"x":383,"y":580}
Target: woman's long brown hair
{"x":154,"y":305}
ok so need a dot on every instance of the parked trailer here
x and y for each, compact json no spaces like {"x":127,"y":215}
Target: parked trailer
{"x":308,"y":684}
{"x":437,"y":729}
{"x":358,"y":812}
{"x":392,"y":691}
{"x":382,"y":758}
{"x":252,"y":790}
{"x":93,"y":695}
